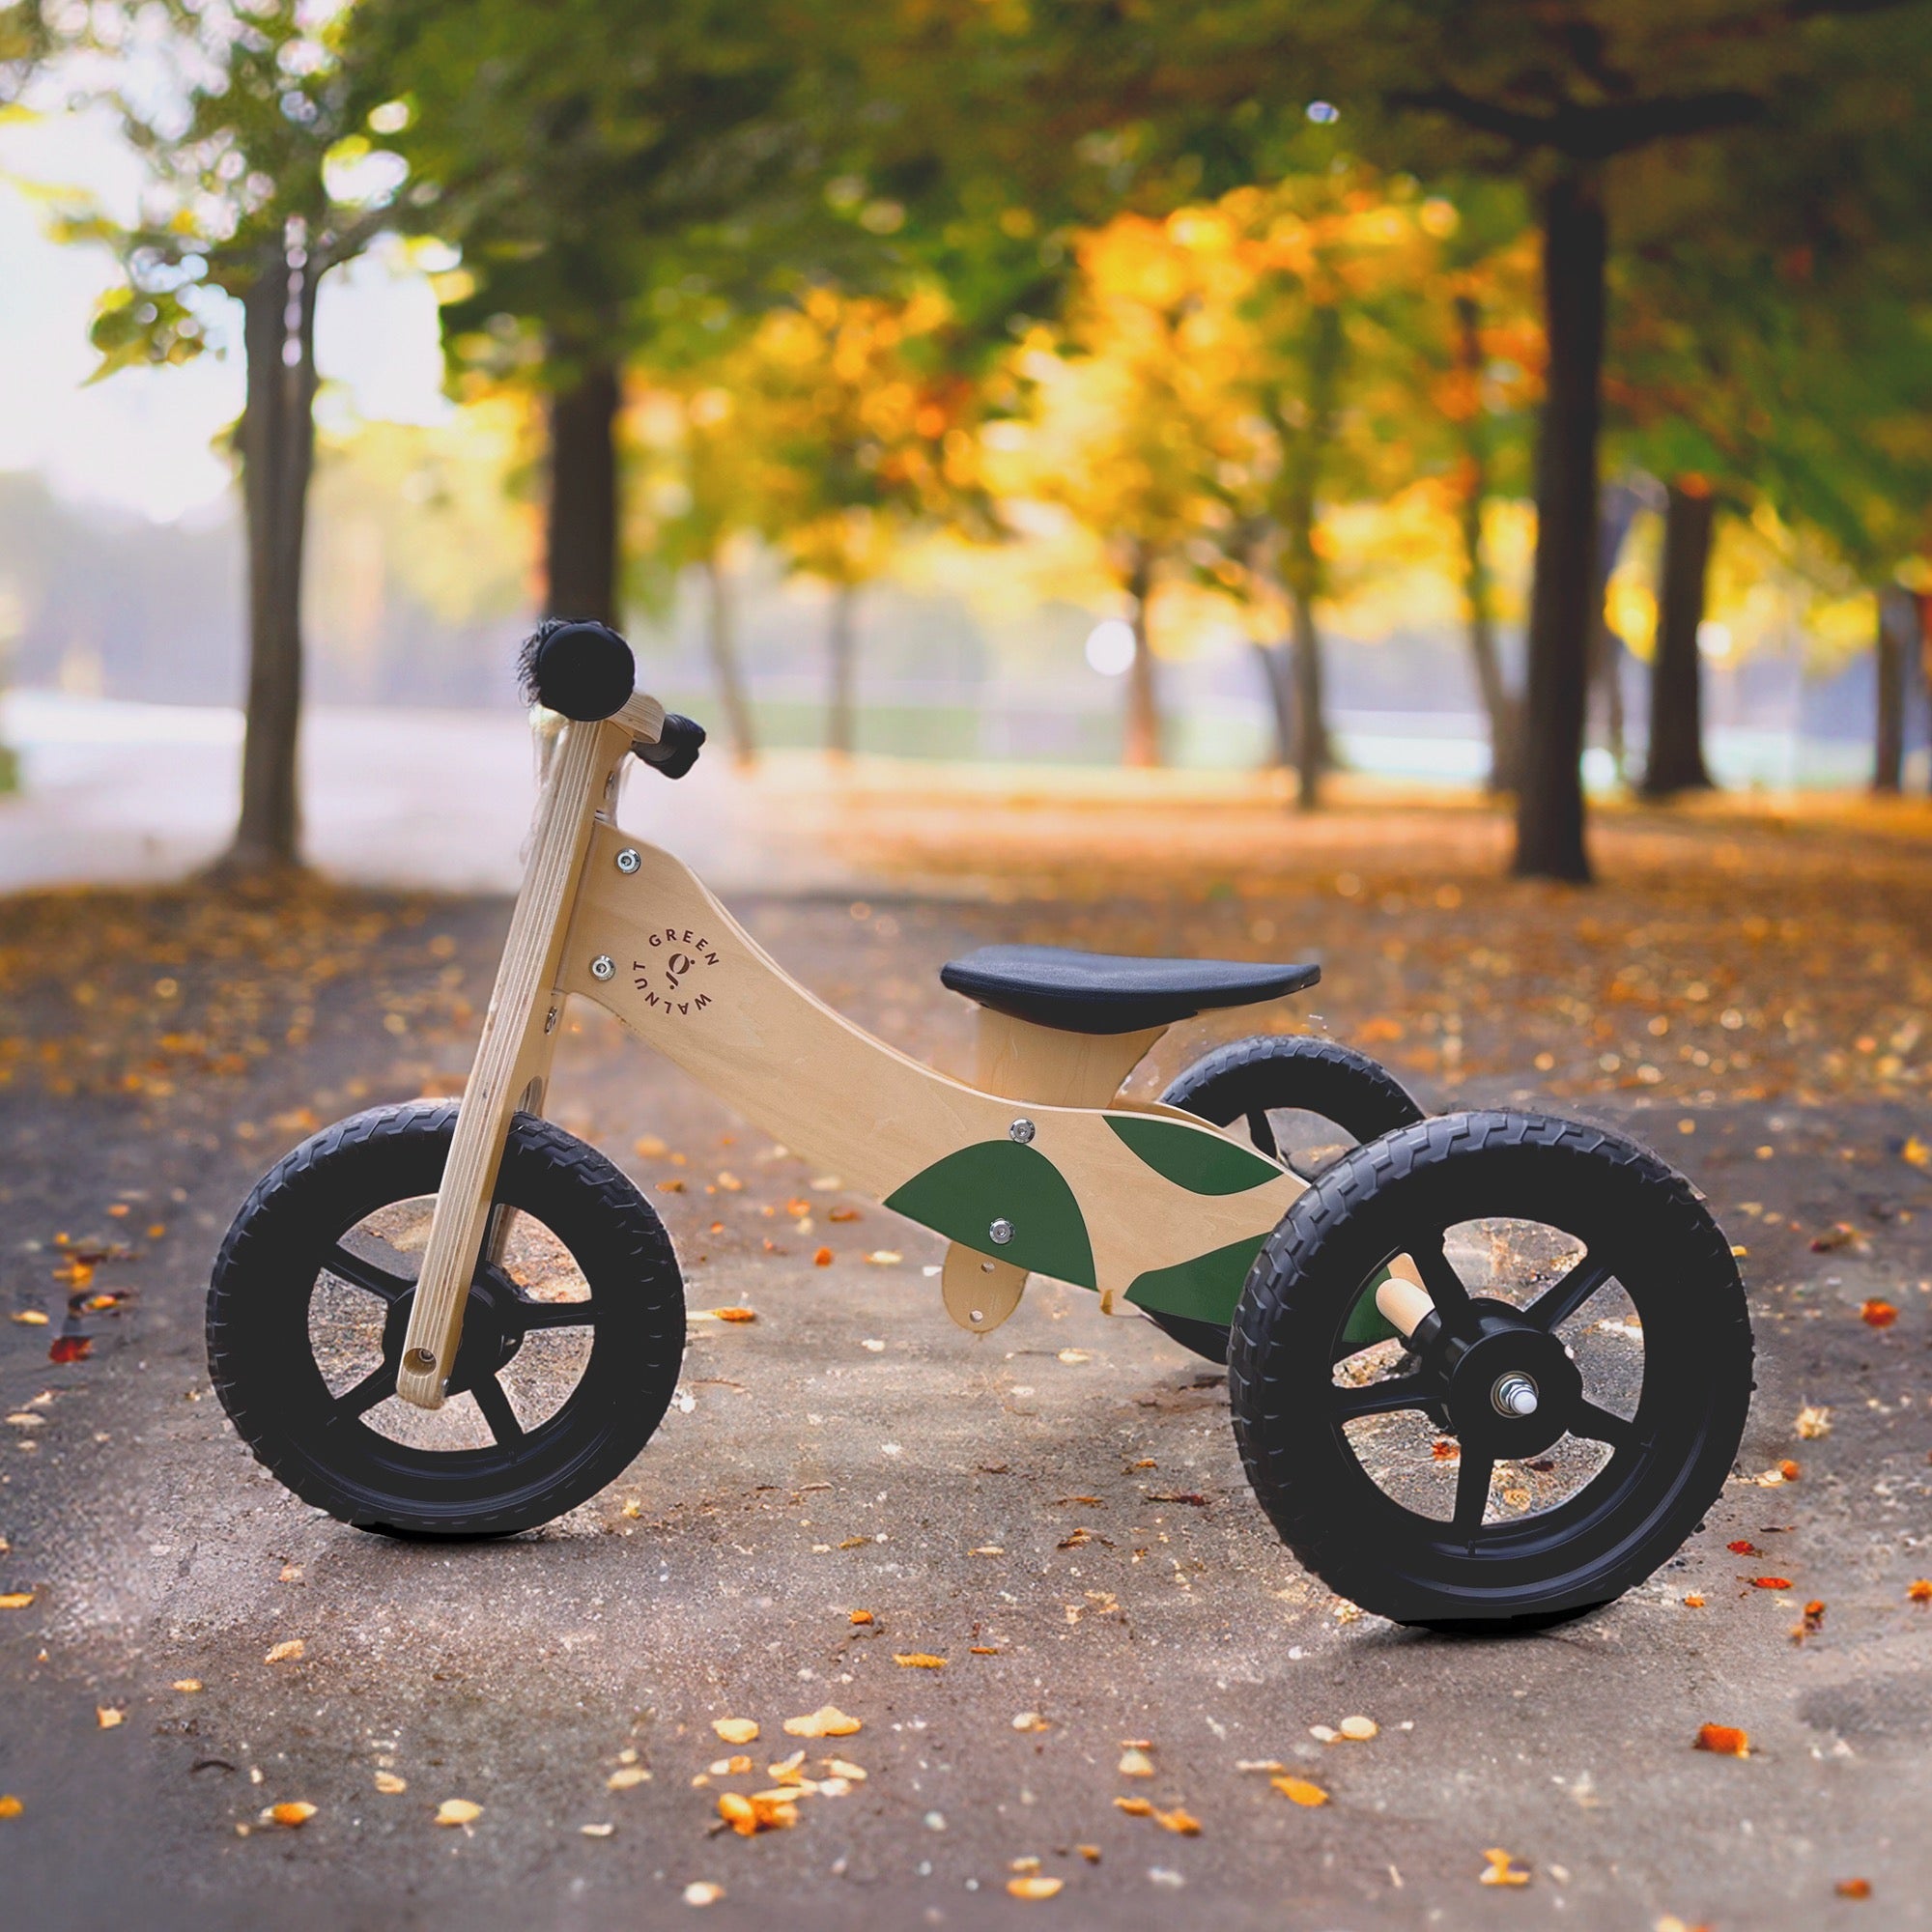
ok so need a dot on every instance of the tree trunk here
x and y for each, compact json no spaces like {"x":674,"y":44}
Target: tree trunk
{"x":1278,"y":676}
{"x":1676,"y":759}
{"x":724,"y":665}
{"x":841,"y":665}
{"x":1897,"y":624}
{"x":1478,"y":587}
{"x":1142,"y":747}
{"x":277,"y":440}
{"x":1616,"y":511}
{"x":1550,"y":803}
{"x":1313,"y":753}
{"x":580,"y":527}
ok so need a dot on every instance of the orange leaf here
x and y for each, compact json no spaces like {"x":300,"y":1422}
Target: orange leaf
{"x":1299,"y":1790}
{"x":822,"y":1259}
{"x":1852,"y":1888}
{"x":1876,"y":1314}
{"x":1788,"y":1469}
{"x":1725,"y":1740}
{"x":294,"y":1813}
{"x":1771,"y":1582}
{"x":735,"y":1314}
{"x":1919,"y":1590}
{"x":862,"y":1616}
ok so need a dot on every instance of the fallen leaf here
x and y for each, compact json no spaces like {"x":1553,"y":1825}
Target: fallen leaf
{"x":737,"y":1730}
{"x":1771,"y":1582}
{"x":841,"y":1767}
{"x":1135,"y":1763}
{"x":787,"y":1771}
{"x":916,"y":1660}
{"x":16,"y":1600}
{"x":1501,"y":1869}
{"x":458,"y":1811}
{"x":647,"y":1146}
{"x":390,"y":1785}
{"x":822,"y":1259}
{"x":763,"y":1811}
{"x":837,"y":1213}
{"x":827,"y":1722}
{"x":1915,"y":1153}
{"x":734,"y":1766}
{"x":672,"y":1187}
{"x":30,"y":1317}
{"x":627,"y":1777}
{"x":1852,"y":1888}
{"x":1299,"y":1790}
{"x":1694,"y":1601}
{"x":1135,"y":1808}
{"x":1725,"y":1740}
{"x":1876,"y":1314}
{"x":286,"y":1652}
{"x":1033,"y":1887}
{"x":596,"y":1830}
{"x":1840,"y":1235}
{"x":109,"y":1716}
{"x":862,"y":1616}
{"x":1918,"y":1591}
{"x":294,"y":1812}
{"x":10,"y":1805}
{"x":1360,"y":1729}
{"x":1815,"y":1422}
{"x":187,"y":1684}
{"x":1741,"y":1547}
{"x":1183,"y":1822}
{"x":1031,"y":1721}
{"x":730,"y":1184}
{"x":701,"y":1892}
{"x":885,"y":1257}
{"x":1789,"y":1470}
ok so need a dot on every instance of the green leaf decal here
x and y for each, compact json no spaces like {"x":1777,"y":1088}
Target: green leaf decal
{"x":1205,"y":1288}
{"x":961,"y":1197}
{"x":1196,"y":1158}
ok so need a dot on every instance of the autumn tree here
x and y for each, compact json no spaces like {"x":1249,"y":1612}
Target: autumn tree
{"x":249,"y":123}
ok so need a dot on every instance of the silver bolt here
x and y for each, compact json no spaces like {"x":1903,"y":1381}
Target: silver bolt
{"x":1021,"y":1131}
{"x":602,"y":966}
{"x":1514,"y":1394}
{"x":627,"y":859}
{"x":1002,"y":1232}
{"x":549,"y":1021}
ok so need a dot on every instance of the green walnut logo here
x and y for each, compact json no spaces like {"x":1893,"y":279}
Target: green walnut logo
{"x":667,"y":978}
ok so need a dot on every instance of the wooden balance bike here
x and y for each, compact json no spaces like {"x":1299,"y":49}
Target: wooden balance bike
{"x":1486,"y":1369}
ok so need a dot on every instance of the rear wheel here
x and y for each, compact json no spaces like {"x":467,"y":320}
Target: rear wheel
{"x":1558,"y":1423}
{"x":1301,"y":1100}
{"x":573,"y":1332}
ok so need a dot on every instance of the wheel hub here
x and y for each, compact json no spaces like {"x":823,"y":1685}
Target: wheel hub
{"x":491,"y":1333}
{"x":1513,"y":1390}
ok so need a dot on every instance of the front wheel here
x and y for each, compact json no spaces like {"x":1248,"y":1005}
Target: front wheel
{"x":1556,"y":1425}
{"x":573,"y":1332}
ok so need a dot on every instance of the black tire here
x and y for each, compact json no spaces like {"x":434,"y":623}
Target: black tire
{"x":1247,"y":1078}
{"x":1642,"y":1227}
{"x":321,"y":1444}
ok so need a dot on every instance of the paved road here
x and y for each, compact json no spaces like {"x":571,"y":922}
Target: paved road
{"x":851,"y":1450}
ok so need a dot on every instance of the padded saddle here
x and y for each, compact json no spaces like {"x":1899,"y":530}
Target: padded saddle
{"x":1104,"y":992}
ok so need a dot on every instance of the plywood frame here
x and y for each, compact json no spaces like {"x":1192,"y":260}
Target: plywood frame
{"x":692,"y":983}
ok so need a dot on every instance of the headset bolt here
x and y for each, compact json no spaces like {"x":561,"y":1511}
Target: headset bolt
{"x":1002,"y":1232}
{"x":602,"y":966}
{"x":627,"y":859}
{"x":1021,"y":1131}
{"x":1514,"y":1394}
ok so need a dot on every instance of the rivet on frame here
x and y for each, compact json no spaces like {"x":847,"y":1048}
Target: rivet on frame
{"x":602,"y":966}
{"x":1021,"y":1131}
{"x":1002,"y":1232}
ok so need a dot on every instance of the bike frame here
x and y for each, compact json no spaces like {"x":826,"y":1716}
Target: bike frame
{"x":1041,"y":1167}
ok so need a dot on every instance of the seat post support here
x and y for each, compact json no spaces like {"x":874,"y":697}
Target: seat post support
{"x":1026,"y":1063}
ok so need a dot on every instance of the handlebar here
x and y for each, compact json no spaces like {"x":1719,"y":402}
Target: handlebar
{"x":586,"y":671}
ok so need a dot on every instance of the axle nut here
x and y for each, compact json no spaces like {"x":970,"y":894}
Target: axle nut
{"x":1021,"y":1131}
{"x":1513,"y":1395}
{"x":629,"y":860}
{"x":602,"y":966}
{"x":1002,"y":1232}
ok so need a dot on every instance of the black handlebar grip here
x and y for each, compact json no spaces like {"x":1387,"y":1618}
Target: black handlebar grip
{"x":678,"y":747}
{"x":586,"y":670}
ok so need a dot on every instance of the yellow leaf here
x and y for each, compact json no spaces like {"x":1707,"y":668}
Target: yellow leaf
{"x":458,"y":1811}
{"x":31,"y":1318}
{"x":827,"y":1722}
{"x":10,"y":1805}
{"x":390,"y":1785}
{"x":918,"y":1659}
{"x":1029,"y":1886}
{"x":1500,"y":1870}
{"x":702,"y":1892}
{"x":737,"y":1730}
{"x":1916,"y":1153}
{"x":734,"y":1314}
{"x":596,"y":1830}
{"x":1135,"y":1808}
{"x":1177,"y":1820}
{"x":108,"y":1716}
{"x":627,"y":1777}
{"x":1299,"y":1790}
{"x":16,"y":1600}
{"x":287,"y":1652}
{"x":1360,"y":1730}
{"x":1135,"y":1763}
{"x":294,"y":1813}
{"x":885,"y":1257}
{"x":186,"y":1684}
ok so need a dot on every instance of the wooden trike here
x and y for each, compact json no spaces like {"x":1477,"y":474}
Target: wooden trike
{"x":1485,"y":1369}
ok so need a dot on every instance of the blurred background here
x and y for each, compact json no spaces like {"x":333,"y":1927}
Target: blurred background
{"x":1345,"y":408}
